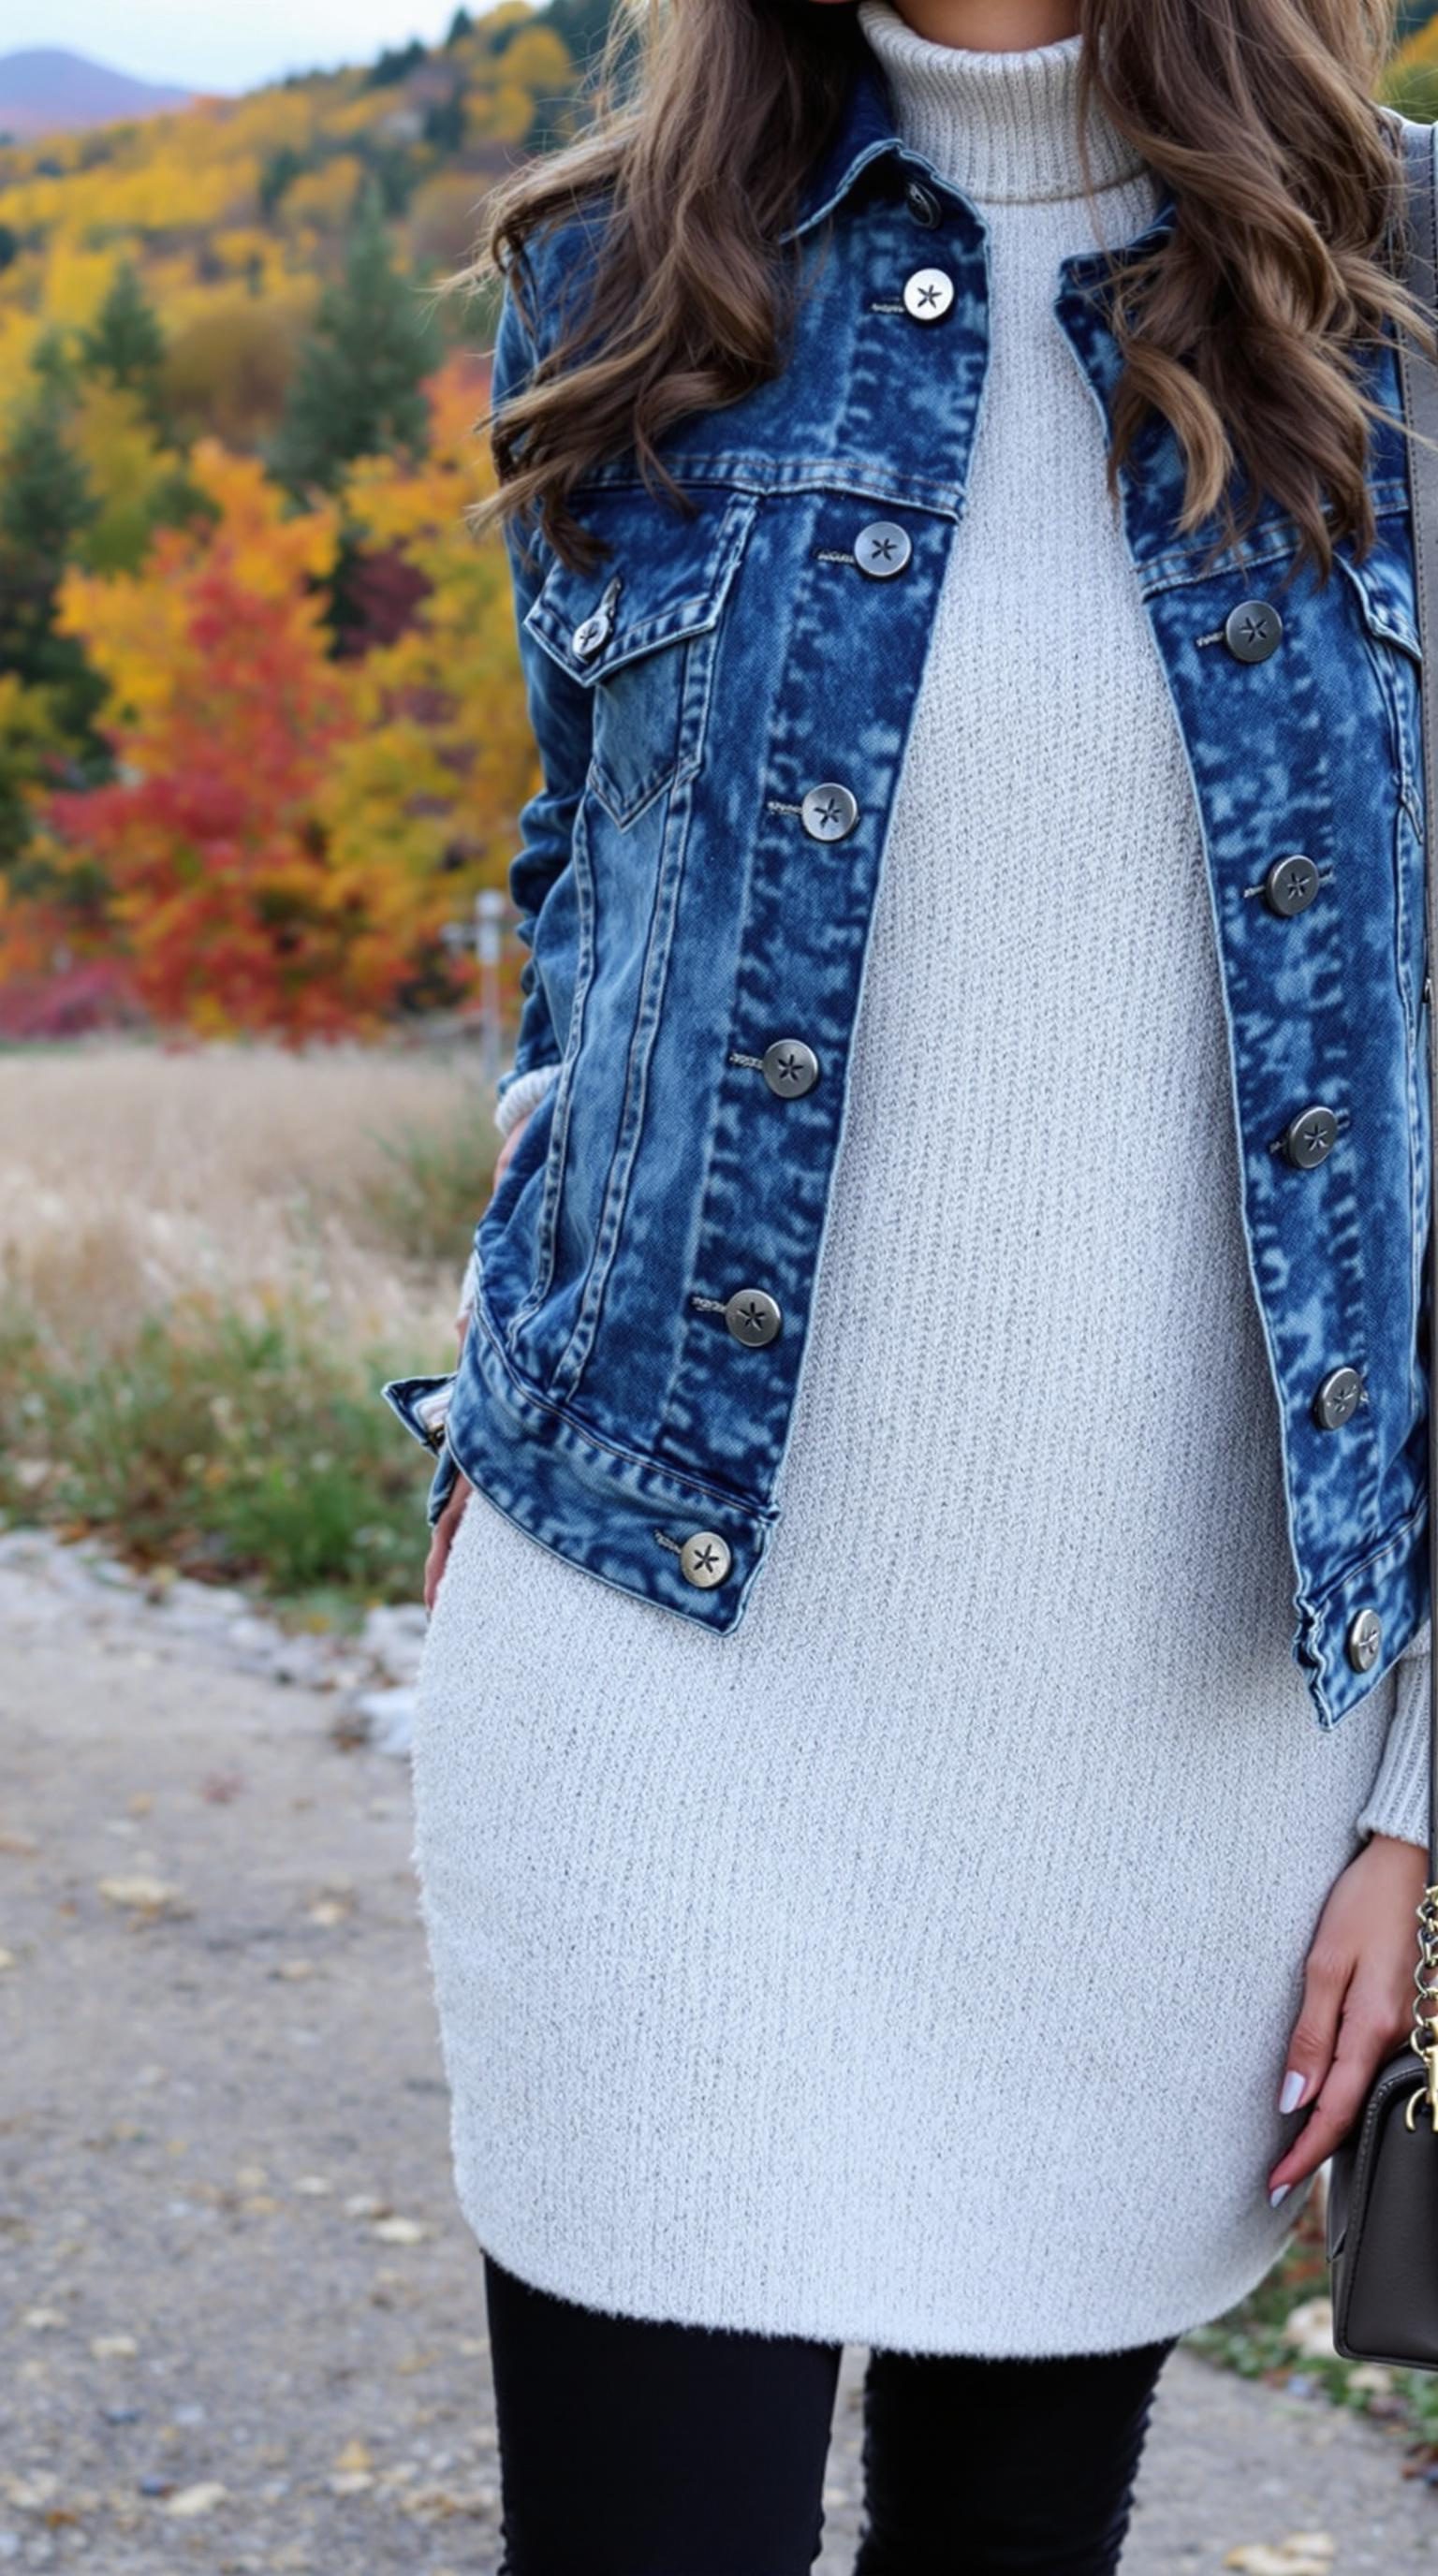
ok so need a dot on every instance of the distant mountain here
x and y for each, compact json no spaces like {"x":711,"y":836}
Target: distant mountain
{"x":44,"y":90}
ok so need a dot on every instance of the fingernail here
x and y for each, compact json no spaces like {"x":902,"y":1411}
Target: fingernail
{"x":1281,"y":2193}
{"x":1292,"y":2093}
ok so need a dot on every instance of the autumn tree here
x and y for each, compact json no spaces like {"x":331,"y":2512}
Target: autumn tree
{"x":227,"y":716}
{"x":357,"y":390}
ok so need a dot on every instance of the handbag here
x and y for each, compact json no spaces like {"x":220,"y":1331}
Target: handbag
{"x":1381,"y":2229}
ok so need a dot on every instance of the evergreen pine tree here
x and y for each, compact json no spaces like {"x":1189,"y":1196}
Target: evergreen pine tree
{"x":125,"y":342}
{"x":45,"y":502}
{"x":357,"y":388}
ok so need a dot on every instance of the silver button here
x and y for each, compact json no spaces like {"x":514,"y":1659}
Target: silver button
{"x":923,"y":205}
{"x":591,"y":633}
{"x":1252,"y":630}
{"x":928,"y":294}
{"x":790,"y":1068}
{"x":1337,"y":1398}
{"x":704,"y":1559}
{"x":828,"y":812}
{"x":1290,"y":884}
{"x":752,"y":1317}
{"x":596,"y":629}
{"x":1310,"y":1137}
{"x":1365,"y":1640}
{"x":882,"y":549}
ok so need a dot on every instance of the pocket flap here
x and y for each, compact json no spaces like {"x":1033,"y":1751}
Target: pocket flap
{"x":664,"y":578}
{"x":422,"y":1404}
{"x":1384,"y":584}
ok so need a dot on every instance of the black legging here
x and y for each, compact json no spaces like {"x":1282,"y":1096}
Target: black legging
{"x":629,"y":2448}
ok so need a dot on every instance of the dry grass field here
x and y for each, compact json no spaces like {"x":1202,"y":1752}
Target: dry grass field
{"x":131,"y":1177}
{"x":208,"y":1260}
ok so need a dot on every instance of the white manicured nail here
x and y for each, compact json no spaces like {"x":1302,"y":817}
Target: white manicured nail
{"x":1292,"y":2093}
{"x":1281,"y":2193}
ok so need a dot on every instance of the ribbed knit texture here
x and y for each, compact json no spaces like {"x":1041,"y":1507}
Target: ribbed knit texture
{"x":916,"y":1965}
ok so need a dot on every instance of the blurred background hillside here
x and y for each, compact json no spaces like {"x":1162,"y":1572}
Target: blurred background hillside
{"x":262,"y":744}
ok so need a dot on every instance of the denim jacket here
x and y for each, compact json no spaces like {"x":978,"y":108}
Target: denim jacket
{"x":721,"y":711}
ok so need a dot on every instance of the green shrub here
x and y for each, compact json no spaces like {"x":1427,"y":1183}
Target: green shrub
{"x":227,"y":1449}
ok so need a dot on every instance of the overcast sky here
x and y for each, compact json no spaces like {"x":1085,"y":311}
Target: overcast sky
{"x":234,"y":48}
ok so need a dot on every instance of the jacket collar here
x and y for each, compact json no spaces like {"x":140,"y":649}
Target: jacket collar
{"x":867,"y":131}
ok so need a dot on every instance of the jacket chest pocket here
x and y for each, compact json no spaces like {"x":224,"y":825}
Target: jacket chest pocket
{"x":1383,"y":583}
{"x":641,"y":633}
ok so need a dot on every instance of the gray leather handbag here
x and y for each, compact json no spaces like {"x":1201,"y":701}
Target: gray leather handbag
{"x":1382,"y":2225}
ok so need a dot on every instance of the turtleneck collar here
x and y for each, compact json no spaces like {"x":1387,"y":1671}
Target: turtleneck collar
{"x":1002,"y":126}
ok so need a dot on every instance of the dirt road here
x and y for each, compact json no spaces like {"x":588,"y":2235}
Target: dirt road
{"x":243,"y":2325}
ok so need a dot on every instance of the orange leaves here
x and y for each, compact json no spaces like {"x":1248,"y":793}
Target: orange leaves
{"x":227,"y":714}
{"x":288,"y":834}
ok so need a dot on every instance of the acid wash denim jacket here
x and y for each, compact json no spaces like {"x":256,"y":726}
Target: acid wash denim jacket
{"x":721,"y":711}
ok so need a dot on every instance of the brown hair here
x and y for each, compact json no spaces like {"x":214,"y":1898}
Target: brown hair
{"x":1243,"y":327}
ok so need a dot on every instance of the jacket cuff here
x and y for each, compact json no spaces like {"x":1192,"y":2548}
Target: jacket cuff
{"x":522,"y":1092}
{"x":1398,"y":1800}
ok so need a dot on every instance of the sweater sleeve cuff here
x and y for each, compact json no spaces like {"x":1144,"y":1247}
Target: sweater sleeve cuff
{"x":524,"y":1093}
{"x":1398,"y":1800}
{"x":470,"y":1290}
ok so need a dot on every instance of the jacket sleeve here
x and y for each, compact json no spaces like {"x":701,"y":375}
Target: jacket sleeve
{"x":561,"y":719}
{"x":1398,"y":1800}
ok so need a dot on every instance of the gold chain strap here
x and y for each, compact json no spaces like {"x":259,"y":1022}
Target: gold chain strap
{"x":1423,"y":2038}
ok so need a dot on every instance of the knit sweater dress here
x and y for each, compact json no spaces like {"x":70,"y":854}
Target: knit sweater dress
{"x":914,"y":1966}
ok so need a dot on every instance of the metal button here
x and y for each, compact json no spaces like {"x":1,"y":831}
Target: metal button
{"x":598,"y":626}
{"x":923,"y":205}
{"x":928,"y":294}
{"x":790,"y":1068}
{"x":592,"y":632}
{"x":1310,"y":1137}
{"x":1337,"y":1398}
{"x":1290,"y":884}
{"x":1252,"y":630}
{"x":752,"y":1317}
{"x":1365,"y":1640}
{"x":704,"y":1559}
{"x":828,"y":812}
{"x":882,"y":549}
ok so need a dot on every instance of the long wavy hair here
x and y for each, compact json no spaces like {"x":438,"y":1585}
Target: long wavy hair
{"x":1244,"y":328}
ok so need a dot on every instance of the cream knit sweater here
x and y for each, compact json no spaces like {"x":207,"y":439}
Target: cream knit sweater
{"x":915,"y":1966}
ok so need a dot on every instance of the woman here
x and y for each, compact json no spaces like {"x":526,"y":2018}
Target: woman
{"x":895,"y":1868}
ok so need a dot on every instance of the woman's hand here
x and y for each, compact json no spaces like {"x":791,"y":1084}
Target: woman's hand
{"x":1357,"y":1999}
{"x":442,"y":1535}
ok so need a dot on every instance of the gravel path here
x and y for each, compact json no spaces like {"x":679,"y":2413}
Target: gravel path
{"x":242,"y":2321}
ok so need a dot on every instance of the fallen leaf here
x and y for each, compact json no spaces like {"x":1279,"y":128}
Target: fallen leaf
{"x":143,"y":1895}
{"x":1308,"y":2329}
{"x":355,"y":2455}
{"x":1302,"y":2553}
{"x":402,"y":2231}
{"x":188,"y":2501}
{"x":293,"y":1969}
{"x":32,"y":2494}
